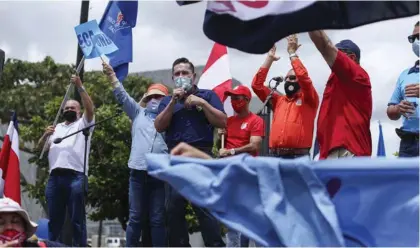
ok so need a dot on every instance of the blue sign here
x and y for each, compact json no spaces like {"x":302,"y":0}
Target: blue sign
{"x":93,"y":41}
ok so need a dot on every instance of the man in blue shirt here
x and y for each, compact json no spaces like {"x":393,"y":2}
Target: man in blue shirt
{"x":145,"y":192}
{"x":405,"y":100}
{"x":190,"y":115}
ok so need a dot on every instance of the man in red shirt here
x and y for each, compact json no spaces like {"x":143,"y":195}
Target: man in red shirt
{"x":245,"y":129}
{"x":244,"y":135}
{"x":344,"y":118}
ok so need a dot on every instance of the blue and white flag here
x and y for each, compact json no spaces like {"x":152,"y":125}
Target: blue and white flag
{"x":381,"y":143}
{"x":93,"y":41}
{"x":255,"y":26}
{"x":119,"y":19}
{"x":278,"y":202}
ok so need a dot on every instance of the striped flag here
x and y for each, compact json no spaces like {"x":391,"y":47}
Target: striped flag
{"x":216,"y":75}
{"x":9,"y":161}
{"x":254,"y":26}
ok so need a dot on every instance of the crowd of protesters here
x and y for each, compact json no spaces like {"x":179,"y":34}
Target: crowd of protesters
{"x":186,"y":122}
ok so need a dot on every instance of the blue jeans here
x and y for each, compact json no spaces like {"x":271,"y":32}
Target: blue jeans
{"x":64,"y":191}
{"x":409,"y":147}
{"x":178,"y":228}
{"x":146,"y":193}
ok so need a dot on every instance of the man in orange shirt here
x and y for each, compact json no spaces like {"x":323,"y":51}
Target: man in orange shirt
{"x":294,"y":113}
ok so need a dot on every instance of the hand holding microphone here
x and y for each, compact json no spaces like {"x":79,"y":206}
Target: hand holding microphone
{"x":278,"y":80}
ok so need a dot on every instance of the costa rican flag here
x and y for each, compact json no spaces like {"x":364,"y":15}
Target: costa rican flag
{"x":255,"y":26}
{"x":9,"y":162}
{"x":216,"y":75}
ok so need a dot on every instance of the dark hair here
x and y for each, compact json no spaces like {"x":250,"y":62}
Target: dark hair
{"x":417,"y":24}
{"x":184,"y":61}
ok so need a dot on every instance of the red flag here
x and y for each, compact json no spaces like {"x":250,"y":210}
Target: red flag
{"x":9,"y":162}
{"x":216,"y":74}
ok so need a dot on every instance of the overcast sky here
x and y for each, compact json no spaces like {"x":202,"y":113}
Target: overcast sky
{"x":31,"y":30}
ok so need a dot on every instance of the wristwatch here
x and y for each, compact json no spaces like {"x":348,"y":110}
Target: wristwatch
{"x":81,"y":89}
{"x":293,"y":55}
{"x":232,"y":151}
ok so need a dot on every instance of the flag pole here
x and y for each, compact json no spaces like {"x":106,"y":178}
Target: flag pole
{"x":66,"y":96}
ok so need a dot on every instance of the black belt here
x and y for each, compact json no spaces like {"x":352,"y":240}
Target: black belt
{"x":404,"y":135}
{"x":64,"y":172}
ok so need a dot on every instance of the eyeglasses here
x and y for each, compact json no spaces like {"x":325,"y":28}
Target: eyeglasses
{"x":291,"y":77}
{"x":413,"y":37}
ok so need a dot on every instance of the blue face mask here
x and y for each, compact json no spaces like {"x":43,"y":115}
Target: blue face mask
{"x":152,"y":106}
{"x":184,"y":82}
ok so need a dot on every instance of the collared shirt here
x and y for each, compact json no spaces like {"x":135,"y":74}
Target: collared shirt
{"x":191,"y":125}
{"x":293,"y":119}
{"x":240,"y":130}
{"x":69,"y":153}
{"x":346,"y":109}
{"x":408,"y":76}
{"x":144,"y":137}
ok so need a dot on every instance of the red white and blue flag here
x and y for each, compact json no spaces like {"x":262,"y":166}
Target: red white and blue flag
{"x":9,"y":162}
{"x":255,"y":26}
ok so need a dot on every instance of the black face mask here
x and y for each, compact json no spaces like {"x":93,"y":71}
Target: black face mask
{"x":70,"y":116}
{"x":291,"y":88}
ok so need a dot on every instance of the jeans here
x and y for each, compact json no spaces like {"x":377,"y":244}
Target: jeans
{"x":236,"y":239}
{"x":178,"y":228}
{"x":64,"y":191}
{"x":146,"y":193}
{"x":409,"y":147}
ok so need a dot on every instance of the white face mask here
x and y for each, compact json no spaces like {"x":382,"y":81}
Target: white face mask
{"x":415,"y":46}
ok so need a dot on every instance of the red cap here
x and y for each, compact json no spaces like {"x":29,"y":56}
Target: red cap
{"x":240,"y":90}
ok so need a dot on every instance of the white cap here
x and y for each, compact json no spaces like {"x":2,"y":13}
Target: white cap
{"x":7,"y":205}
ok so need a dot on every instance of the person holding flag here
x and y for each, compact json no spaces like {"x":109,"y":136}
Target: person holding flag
{"x":294,"y":113}
{"x":64,"y":189}
{"x":190,"y":115}
{"x":145,"y":192}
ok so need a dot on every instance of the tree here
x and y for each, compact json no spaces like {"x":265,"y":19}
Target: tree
{"x":35,"y":92}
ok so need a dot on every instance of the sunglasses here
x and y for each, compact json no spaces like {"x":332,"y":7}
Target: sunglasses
{"x":291,"y":77}
{"x":413,"y":37}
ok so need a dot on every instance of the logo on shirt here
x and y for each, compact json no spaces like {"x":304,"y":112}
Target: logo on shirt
{"x":244,"y":125}
{"x":299,"y":102}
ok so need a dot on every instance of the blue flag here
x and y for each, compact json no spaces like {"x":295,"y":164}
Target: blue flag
{"x":249,"y":25}
{"x":119,"y":19}
{"x":316,"y":148}
{"x":381,"y":144}
{"x":279,"y":202}
{"x":93,"y":41}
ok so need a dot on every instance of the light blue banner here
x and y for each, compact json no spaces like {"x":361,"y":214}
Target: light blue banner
{"x":93,"y":41}
{"x":277,"y":202}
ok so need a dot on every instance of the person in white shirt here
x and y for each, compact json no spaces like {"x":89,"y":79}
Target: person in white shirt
{"x":66,"y":161}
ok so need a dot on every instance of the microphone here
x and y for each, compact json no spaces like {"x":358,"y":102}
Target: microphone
{"x":57,"y":140}
{"x":278,"y":79}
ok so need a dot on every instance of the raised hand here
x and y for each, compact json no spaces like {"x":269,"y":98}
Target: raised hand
{"x":109,"y":72}
{"x":272,"y":54}
{"x":292,"y":43}
{"x":76,"y":81}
